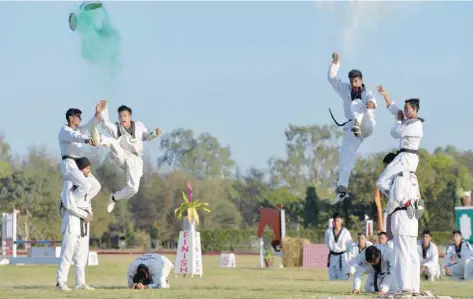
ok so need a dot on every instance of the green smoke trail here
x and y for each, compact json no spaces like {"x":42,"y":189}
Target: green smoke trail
{"x":101,"y":42}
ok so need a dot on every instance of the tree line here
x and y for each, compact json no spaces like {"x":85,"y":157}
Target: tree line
{"x":303,"y":181}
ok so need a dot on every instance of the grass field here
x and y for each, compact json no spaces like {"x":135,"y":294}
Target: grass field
{"x":246,"y":281}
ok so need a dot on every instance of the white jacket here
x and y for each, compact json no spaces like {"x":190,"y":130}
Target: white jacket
{"x":74,"y":210}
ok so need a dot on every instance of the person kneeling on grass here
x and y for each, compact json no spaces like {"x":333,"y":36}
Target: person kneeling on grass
{"x":377,"y":260}
{"x":149,"y":271}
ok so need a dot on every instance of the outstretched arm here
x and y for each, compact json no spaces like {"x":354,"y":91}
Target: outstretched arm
{"x":148,"y":136}
{"x":392,"y":107}
{"x":338,"y":85}
{"x":110,"y":127}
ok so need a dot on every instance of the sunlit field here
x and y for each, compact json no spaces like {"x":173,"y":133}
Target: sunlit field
{"x":245,"y":281}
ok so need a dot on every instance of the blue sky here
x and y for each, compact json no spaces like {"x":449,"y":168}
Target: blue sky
{"x":242,"y":71}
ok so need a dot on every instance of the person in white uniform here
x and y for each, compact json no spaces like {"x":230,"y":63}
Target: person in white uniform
{"x":72,"y":138}
{"x":409,"y":130}
{"x":356,"y":249}
{"x":149,"y":271}
{"x":429,"y":257}
{"x":126,"y":149}
{"x":76,"y":216}
{"x":457,"y":256}
{"x":377,"y":261}
{"x":405,"y":229}
{"x":338,"y":240}
{"x":359,"y":104}
{"x":383,"y":239}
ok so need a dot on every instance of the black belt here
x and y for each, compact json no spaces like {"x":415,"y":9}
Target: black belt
{"x":398,"y":209}
{"x":69,"y":157}
{"x":376,"y":289}
{"x":408,"y":150}
{"x":336,"y":254}
{"x":83,"y":227}
{"x":336,"y":122}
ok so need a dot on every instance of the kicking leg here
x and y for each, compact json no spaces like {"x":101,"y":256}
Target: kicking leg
{"x":348,"y":153}
{"x":116,"y":151}
{"x":134,"y":171}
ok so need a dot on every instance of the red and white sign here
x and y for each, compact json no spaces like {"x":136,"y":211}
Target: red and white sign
{"x":189,"y":254}
{"x":315,"y":256}
{"x":227,"y":260}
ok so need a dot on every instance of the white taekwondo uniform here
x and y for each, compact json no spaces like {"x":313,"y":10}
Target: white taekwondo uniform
{"x":338,"y":257}
{"x":159,"y":268}
{"x":70,"y":143}
{"x":75,"y":235}
{"x":380,"y":277}
{"x":126,"y":149}
{"x":353,"y":109}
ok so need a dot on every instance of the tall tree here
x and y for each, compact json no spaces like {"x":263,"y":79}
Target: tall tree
{"x":203,"y":157}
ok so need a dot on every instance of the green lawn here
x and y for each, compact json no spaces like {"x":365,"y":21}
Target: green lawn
{"x":246,"y":281}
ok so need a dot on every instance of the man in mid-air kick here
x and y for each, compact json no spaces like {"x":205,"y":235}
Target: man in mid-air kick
{"x":358,"y":105}
{"x":126,"y":148}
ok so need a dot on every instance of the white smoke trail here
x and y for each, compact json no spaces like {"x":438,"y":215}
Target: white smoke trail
{"x":359,"y":18}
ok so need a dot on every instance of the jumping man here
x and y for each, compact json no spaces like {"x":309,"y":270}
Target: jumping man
{"x":358,"y":105}
{"x":126,"y":149}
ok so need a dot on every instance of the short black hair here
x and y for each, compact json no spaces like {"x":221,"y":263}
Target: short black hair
{"x":337,"y":215}
{"x":361,"y":234}
{"x":457,"y":232}
{"x":372,"y":253}
{"x":382,"y":233}
{"x":355,"y":74}
{"x":389,"y":158}
{"x":427,"y":232}
{"x":82,"y":163}
{"x":72,"y":112}
{"x":414,"y":103}
{"x":142,"y":275}
{"x":124,"y":108}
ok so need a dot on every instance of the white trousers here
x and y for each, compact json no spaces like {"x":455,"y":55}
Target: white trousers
{"x":132,"y":164}
{"x":468,"y":269}
{"x":338,"y":267}
{"x":402,"y":162}
{"x":432,"y":273}
{"x":351,"y":143}
{"x":407,"y":263}
{"x":85,"y":185}
{"x":74,"y":249}
{"x":369,"y":284}
{"x":460,"y":268}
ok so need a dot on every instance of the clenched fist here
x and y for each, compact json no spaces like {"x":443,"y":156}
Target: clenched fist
{"x":335,"y":57}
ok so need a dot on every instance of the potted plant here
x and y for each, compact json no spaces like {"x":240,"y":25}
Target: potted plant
{"x":190,"y":208}
{"x":268,"y":258}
